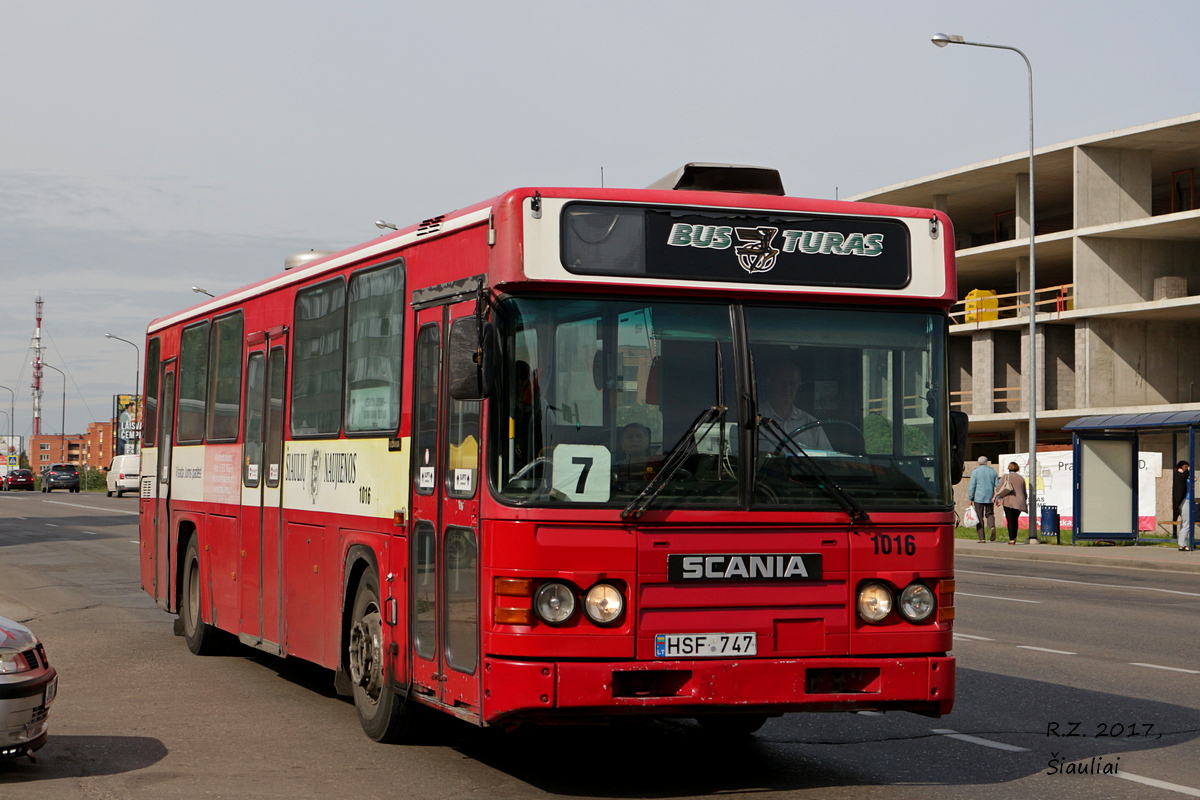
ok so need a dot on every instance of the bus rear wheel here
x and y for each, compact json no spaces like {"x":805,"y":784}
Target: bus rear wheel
{"x":202,"y":639}
{"x":384,"y":715}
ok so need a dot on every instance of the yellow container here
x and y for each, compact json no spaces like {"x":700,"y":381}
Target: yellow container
{"x":981,"y":305}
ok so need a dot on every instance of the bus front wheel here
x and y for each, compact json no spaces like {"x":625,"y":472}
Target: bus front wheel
{"x":384,"y":715}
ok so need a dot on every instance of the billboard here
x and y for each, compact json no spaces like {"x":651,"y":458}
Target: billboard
{"x":127,"y":411}
{"x":1056,"y":482}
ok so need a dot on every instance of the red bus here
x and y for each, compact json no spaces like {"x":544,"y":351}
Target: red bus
{"x":573,"y":455}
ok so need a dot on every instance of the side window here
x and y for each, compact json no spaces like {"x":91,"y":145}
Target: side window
{"x":253,"y":436}
{"x":150,"y":398}
{"x":424,"y":590}
{"x":374,"y":342}
{"x":317,"y":360}
{"x":226,"y":385}
{"x":276,"y":369}
{"x":425,"y":424}
{"x":462,"y":471}
{"x":193,"y":384}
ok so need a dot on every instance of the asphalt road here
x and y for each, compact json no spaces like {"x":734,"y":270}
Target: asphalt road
{"x":1087,"y":649}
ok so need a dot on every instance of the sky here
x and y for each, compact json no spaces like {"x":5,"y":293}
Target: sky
{"x":149,"y":147}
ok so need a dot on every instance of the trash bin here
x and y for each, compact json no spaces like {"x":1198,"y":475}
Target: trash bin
{"x":1049,"y":520}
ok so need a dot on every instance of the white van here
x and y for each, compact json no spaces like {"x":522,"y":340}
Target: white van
{"x":124,"y":475}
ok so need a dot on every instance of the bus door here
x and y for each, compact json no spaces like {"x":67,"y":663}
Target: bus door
{"x":163,"y":589}
{"x":261,"y":523}
{"x":444,"y":538}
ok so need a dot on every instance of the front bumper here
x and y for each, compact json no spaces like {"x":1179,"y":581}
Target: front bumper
{"x":25,"y":713}
{"x":516,"y":691}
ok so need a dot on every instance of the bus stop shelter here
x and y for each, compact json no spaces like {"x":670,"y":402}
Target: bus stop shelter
{"x":1105,"y":492}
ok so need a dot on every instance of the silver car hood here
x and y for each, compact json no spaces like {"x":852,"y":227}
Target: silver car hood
{"x":15,"y":636}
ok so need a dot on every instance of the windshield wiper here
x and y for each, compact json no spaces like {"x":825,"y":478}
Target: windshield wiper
{"x":843,"y":498}
{"x":675,"y":460}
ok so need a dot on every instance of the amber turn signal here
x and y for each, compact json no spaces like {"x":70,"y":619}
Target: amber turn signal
{"x":514,"y":587}
{"x":514,"y":616}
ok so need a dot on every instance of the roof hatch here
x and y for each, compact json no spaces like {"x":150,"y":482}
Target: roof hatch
{"x":703,"y":177}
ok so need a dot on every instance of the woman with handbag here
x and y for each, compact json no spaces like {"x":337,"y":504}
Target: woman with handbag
{"x":1010,"y":494}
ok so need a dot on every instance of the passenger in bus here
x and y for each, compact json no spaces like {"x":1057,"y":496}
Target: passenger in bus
{"x":778,"y":402}
{"x":633,"y":454}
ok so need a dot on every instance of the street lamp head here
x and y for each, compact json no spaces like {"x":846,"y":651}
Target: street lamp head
{"x":198,"y":290}
{"x":383,"y":225}
{"x":943,"y":39}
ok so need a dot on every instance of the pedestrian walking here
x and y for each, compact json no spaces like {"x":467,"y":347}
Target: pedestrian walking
{"x":1010,"y":495}
{"x":982,"y":492}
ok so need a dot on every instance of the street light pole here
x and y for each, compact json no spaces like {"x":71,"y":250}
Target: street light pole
{"x":62,"y":442}
{"x":941,"y":40}
{"x":12,"y":402}
{"x":137,"y":381}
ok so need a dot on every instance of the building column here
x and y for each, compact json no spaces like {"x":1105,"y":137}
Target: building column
{"x":983,"y":372}
{"x":1021,"y":204}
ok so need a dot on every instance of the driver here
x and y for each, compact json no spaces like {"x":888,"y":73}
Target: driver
{"x":778,"y":402}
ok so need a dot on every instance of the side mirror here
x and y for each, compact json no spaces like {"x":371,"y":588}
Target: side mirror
{"x":958,"y":445}
{"x":471,"y":359}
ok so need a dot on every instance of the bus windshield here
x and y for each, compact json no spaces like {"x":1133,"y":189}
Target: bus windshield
{"x":753,"y":406}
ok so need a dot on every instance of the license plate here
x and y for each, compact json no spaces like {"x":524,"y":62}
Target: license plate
{"x":705,"y":645}
{"x":51,"y":692}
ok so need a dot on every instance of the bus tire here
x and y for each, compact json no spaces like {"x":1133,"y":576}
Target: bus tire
{"x":732,"y":724}
{"x":202,"y":639}
{"x":385,"y":716}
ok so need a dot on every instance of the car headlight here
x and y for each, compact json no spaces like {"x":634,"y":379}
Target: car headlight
{"x":874,"y":602}
{"x":917,"y":602}
{"x":603,"y":604}
{"x":554,"y":603}
{"x":14,"y":662}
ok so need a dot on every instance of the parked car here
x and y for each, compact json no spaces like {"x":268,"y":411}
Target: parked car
{"x":28,"y":685}
{"x":17,"y":479}
{"x":124,"y":475}
{"x":60,"y":476}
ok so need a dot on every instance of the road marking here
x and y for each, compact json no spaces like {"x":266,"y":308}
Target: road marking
{"x":91,"y":533}
{"x":50,"y":525}
{"x":1077,"y":583}
{"x":1046,"y":650}
{"x":1160,"y":666}
{"x":134,"y":541}
{"x":869,"y":713}
{"x":992,"y":597}
{"x":962,"y":737}
{"x":1171,"y":787}
{"x":91,"y":508}
{"x":976,"y":638}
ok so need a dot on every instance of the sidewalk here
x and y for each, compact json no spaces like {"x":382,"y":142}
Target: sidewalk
{"x":1167,"y":559}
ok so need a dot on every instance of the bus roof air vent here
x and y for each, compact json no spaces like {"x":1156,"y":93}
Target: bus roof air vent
{"x":702,"y":177}
{"x":431,"y":225}
{"x":303,"y":257}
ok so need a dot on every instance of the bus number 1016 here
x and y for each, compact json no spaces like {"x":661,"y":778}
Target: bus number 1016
{"x":906,"y":545}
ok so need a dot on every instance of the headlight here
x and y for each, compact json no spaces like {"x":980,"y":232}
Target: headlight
{"x":917,"y":602}
{"x":874,"y":602}
{"x":13,"y":662}
{"x":554,"y":603}
{"x":603,"y":604}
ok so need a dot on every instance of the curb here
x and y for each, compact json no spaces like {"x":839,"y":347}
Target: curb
{"x":1053,"y":553}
